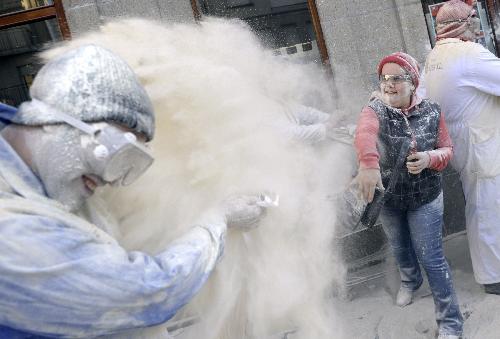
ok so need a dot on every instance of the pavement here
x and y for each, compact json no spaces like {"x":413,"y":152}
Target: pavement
{"x":368,"y":310}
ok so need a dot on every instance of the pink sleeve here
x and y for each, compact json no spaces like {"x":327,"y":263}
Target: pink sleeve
{"x":365,"y":140}
{"x":444,"y":150}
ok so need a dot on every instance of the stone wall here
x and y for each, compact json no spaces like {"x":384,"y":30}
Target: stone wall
{"x":86,"y":15}
{"x":359,"y":33}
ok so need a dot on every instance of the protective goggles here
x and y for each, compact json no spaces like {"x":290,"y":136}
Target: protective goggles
{"x":385,"y":78}
{"x":116,"y":156}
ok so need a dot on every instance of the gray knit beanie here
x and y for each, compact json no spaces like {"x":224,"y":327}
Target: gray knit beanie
{"x":91,"y":84}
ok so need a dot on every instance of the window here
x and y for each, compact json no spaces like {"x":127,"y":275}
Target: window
{"x":290,"y":27}
{"x":26,"y":28}
{"x":11,"y":6}
{"x":239,"y":3}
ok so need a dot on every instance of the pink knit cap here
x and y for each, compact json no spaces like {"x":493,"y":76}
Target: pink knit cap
{"x":453,"y":19}
{"x":406,"y":61}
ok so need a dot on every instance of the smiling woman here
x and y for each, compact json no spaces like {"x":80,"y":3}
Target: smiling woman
{"x":412,"y":212}
{"x":396,"y":86}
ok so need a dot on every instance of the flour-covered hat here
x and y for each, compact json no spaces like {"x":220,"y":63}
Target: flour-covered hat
{"x":452,"y":19}
{"x":91,"y":84}
{"x":406,"y":61}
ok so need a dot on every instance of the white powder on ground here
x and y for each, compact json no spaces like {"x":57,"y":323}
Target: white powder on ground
{"x":220,"y":131}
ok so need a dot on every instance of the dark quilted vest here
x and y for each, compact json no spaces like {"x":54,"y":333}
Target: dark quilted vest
{"x":411,"y":191}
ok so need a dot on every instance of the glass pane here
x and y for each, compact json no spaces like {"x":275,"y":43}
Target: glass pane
{"x":10,"y":6}
{"x":283,"y":25}
{"x":494,"y":10}
{"x":487,"y":38}
{"x":18,"y":61}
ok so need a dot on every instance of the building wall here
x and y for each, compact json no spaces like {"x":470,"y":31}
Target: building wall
{"x":86,"y":15}
{"x":358,"y":33}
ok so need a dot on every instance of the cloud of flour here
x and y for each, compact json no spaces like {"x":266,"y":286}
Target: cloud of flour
{"x":221,"y":102}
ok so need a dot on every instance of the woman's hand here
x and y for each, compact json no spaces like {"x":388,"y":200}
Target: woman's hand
{"x":367,"y":179}
{"x":417,"y":162}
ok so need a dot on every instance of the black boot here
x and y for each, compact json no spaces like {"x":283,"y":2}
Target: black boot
{"x":492,"y":288}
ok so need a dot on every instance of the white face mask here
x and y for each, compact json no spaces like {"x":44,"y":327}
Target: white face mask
{"x":475,"y":25}
{"x":473,"y":28}
{"x":73,"y":162}
{"x":115,"y":155}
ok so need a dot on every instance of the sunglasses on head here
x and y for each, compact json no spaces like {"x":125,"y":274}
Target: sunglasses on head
{"x":383,"y":78}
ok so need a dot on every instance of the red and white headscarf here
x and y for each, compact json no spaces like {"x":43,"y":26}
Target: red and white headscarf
{"x":453,"y":18}
{"x":406,"y":61}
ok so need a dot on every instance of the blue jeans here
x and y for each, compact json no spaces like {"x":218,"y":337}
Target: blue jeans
{"x":415,"y":236}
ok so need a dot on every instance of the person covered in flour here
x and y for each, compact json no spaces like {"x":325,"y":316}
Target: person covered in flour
{"x":464,"y":78}
{"x":88,"y":125}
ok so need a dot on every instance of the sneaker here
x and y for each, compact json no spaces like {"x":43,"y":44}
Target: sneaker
{"x":448,"y":336}
{"x":404,"y":297}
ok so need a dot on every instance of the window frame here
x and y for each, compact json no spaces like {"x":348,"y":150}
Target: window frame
{"x":320,"y":39}
{"x":490,"y":9}
{"x":28,"y":16}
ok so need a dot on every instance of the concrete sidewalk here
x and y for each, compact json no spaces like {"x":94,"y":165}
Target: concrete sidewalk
{"x":372,"y":313}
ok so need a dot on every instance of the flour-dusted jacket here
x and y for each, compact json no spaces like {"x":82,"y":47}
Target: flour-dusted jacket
{"x":464,"y":78}
{"x":61,"y":276}
{"x":379,"y":136}
{"x":421,"y":126}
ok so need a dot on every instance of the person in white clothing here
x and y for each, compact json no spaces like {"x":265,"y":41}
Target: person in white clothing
{"x":464,"y":78}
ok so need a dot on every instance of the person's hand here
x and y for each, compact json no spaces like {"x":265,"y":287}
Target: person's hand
{"x":417,"y":162}
{"x":367,"y":179}
{"x":242,"y":212}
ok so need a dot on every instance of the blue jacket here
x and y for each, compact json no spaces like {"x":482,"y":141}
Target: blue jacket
{"x":62,"y":277}
{"x":6,"y":113}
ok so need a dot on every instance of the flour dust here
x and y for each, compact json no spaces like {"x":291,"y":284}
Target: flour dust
{"x":221,"y":103}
